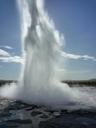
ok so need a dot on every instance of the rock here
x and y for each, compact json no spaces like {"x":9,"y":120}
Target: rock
{"x":44,"y":116}
{"x":4,"y":125}
{"x":27,"y":121}
{"x":35,"y":113}
{"x":5,"y":114}
{"x":32,"y":107}
{"x":29,"y":108}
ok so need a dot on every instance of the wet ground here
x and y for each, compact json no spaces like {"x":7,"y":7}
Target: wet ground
{"x":15,"y":114}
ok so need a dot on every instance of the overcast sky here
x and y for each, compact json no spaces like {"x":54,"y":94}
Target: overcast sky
{"x":76,"y":19}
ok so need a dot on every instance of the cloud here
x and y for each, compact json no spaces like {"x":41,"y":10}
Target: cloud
{"x":77,"y":57}
{"x":4,"y":53}
{"x":7,"y":57}
{"x":12,"y":59}
{"x":6,"y":46}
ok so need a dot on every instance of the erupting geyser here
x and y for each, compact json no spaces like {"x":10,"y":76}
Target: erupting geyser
{"x":42,"y":47}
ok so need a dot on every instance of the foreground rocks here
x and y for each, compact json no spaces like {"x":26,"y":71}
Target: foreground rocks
{"x":15,"y":114}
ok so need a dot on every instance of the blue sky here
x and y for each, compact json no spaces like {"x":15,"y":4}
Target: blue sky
{"x":76,"y":19}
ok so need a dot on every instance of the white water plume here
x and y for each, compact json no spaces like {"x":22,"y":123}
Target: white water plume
{"x":42,"y":47}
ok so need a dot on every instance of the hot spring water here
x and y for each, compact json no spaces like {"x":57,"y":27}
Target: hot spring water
{"x":42,"y":47}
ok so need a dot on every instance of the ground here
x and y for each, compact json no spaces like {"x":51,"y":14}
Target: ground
{"x":15,"y":114}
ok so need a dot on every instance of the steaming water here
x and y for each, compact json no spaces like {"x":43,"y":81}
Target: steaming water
{"x":42,"y":47}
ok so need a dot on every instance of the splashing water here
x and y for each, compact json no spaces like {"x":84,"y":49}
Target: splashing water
{"x":42,"y":48}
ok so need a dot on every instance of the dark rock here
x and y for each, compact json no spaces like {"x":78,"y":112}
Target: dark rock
{"x":35,"y":106}
{"x":49,"y":118}
{"x":8,"y":126}
{"x":35,"y":113}
{"x":29,"y":108}
{"x":15,"y":107}
{"x":69,"y":120}
{"x":5,"y":114}
{"x":32,"y":107}
{"x":44,"y":116}
{"x":50,"y":111}
{"x":27,"y":121}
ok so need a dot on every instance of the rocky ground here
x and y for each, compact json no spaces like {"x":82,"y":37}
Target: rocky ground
{"x":15,"y":114}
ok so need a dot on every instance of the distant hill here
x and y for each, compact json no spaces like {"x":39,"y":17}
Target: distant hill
{"x":93,"y":79}
{"x":91,"y":82}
